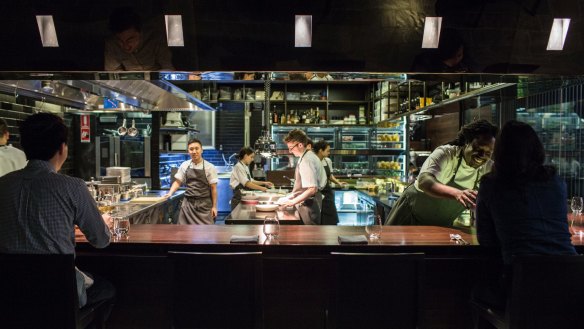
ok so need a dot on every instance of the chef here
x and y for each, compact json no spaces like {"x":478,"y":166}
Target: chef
{"x":200,"y":177}
{"x":11,"y":158}
{"x":310,"y":179}
{"x":329,"y":215}
{"x":241,"y":178}
{"x":448,"y":180}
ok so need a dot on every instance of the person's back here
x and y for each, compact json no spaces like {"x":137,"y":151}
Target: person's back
{"x":531,"y":219}
{"x":522,"y":203}
{"x":41,"y":208}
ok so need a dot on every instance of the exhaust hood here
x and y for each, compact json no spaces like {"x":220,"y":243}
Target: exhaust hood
{"x":90,"y":95}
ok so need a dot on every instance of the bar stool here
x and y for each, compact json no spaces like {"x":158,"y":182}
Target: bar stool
{"x":39,"y":291}
{"x":217,"y":290}
{"x":376,"y":290}
{"x":545,"y":292}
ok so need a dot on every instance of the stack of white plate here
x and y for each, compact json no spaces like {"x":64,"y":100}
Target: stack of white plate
{"x":123,"y":172}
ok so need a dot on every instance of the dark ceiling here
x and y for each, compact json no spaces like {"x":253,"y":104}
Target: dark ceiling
{"x":366,"y":35}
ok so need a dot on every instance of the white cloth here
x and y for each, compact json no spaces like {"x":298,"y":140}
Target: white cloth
{"x":11,"y":159}
{"x":210,"y":171}
{"x":442,"y":164}
{"x":311,"y":171}
{"x":239,"y":175}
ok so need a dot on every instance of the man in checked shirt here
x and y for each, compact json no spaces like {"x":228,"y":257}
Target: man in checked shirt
{"x":41,"y":207}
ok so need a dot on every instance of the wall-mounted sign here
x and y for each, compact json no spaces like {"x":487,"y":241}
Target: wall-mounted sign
{"x":85,"y":129}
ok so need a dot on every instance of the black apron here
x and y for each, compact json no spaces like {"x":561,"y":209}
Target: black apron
{"x":236,"y":199}
{"x":328,"y":215}
{"x":197,"y":204}
{"x":309,"y":209}
{"x":419,"y":208}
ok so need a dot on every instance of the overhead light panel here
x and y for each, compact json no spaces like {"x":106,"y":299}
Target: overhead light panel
{"x":174,"y":30}
{"x":558,"y":34}
{"x":303,"y":31}
{"x":47,"y":30}
{"x":432,"y":26}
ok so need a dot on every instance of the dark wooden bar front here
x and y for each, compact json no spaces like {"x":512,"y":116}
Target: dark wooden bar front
{"x":296,"y":271}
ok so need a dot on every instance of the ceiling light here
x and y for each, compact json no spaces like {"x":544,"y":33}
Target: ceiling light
{"x":432,"y":26}
{"x":47,"y":30}
{"x":174,"y":30}
{"x":303,"y":31}
{"x":558,"y":34}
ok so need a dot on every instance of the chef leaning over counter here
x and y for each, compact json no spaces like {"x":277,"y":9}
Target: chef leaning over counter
{"x":200,"y":177}
{"x":241,"y":177}
{"x":448,"y":181}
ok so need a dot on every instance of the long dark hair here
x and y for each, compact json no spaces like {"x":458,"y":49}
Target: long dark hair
{"x":519,"y":155}
{"x":473,"y":130}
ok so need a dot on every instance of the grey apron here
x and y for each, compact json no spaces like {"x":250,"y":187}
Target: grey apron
{"x":196,"y":207}
{"x":418,"y":208}
{"x":328,"y":215}
{"x":309,"y":209}
{"x":236,"y":199}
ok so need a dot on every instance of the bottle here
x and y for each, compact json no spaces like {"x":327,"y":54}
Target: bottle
{"x":283,"y":118}
{"x":275,"y":116}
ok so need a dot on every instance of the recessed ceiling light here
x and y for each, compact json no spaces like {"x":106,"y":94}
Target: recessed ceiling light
{"x":432,"y":26}
{"x":47,"y":30}
{"x":303,"y":31}
{"x":174,"y":30}
{"x":558,"y":34}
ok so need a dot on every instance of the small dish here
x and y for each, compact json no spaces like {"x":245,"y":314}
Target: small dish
{"x":266,"y":207}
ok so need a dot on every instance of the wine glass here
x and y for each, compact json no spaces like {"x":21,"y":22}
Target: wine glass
{"x":577,"y":204}
{"x":374,"y":227}
{"x":271,"y":227}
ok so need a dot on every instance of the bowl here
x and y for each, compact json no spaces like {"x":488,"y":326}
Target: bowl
{"x":266,"y":207}
{"x":249,"y":197}
{"x":250,"y":202}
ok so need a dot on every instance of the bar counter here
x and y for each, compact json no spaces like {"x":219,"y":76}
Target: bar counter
{"x":296,"y":266}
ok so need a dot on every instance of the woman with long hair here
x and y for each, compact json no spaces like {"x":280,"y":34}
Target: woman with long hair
{"x":521,"y":209}
{"x":522,"y":203}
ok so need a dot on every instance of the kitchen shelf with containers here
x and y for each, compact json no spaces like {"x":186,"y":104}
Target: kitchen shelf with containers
{"x":355,"y":149}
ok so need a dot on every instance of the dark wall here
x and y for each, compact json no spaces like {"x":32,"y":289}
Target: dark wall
{"x":368,"y":35}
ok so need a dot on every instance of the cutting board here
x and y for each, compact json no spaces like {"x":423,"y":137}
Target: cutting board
{"x":147,"y":199}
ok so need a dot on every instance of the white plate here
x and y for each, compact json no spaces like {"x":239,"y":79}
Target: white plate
{"x":266,"y":207}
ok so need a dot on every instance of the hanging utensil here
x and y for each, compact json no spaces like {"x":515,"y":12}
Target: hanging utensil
{"x":123,"y":130}
{"x":132,"y":131}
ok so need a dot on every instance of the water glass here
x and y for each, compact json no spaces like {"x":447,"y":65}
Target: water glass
{"x":577,"y":204}
{"x":374,"y":227}
{"x":121,"y":226}
{"x":271,"y":227}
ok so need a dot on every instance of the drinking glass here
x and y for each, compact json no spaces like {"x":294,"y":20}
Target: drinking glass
{"x":576,"y":204}
{"x":374,"y":227}
{"x":121,"y":226}
{"x":271,"y":227}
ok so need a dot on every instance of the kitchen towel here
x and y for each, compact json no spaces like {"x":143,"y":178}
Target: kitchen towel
{"x":352,"y":239}
{"x":244,"y":239}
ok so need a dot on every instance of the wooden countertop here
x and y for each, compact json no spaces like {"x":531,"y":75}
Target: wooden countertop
{"x":248,"y":214}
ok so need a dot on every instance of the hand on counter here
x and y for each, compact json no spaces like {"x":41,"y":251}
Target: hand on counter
{"x":167,"y":195}
{"x":107,"y":219}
